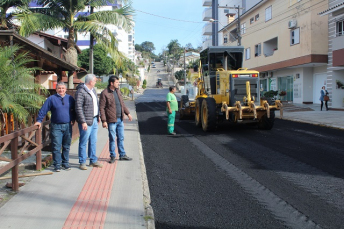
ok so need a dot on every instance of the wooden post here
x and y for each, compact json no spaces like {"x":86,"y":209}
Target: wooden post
{"x":38,"y":137}
{"x":14,"y":155}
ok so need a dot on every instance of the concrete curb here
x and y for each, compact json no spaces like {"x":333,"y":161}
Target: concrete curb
{"x":149,"y":214}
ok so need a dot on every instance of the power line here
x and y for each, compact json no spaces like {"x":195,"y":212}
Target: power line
{"x":168,"y":17}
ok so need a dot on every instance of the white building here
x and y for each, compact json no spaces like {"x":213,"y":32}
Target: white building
{"x":227,"y":12}
{"x":335,"y":67}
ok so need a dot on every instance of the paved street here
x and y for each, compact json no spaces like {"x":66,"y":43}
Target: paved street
{"x":239,"y":176}
{"x":242,"y":177}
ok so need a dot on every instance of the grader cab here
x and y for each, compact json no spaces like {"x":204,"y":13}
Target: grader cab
{"x":227,"y":92}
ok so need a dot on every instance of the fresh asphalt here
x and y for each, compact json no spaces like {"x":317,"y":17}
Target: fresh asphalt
{"x":241,"y":177}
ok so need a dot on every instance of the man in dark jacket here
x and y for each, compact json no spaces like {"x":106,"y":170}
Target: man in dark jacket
{"x":112,"y":110}
{"x":87,"y":116}
{"x":61,"y":106}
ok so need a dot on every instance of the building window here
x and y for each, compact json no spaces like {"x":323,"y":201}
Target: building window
{"x":130,"y":38}
{"x":340,"y":28}
{"x":65,"y":36}
{"x":258,"y":50}
{"x":295,"y":36}
{"x":256,"y":17}
{"x":225,"y":40}
{"x":247,"y":53}
{"x":251,"y":20}
{"x":268,"y":13}
{"x":243,"y":28}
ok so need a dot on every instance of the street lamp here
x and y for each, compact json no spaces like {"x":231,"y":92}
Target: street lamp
{"x":211,"y":20}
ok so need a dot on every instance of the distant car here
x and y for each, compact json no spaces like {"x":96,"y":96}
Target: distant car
{"x":153,"y":66}
{"x":152,"y":62}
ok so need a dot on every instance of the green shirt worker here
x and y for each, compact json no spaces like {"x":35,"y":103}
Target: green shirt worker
{"x":172,"y":107}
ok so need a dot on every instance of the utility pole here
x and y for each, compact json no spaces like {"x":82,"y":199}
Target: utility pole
{"x":239,"y":30}
{"x":215,"y":26}
{"x":91,"y":47}
{"x":216,"y":19}
{"x":184,"y":73}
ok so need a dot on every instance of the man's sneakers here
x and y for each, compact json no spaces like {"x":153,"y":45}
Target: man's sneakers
{"x":66,"y":167}
{"x":173,"y":133}
{"x":83,"y":167}
{"x":125,"y":158}
{"x":96,"y":164}
{"x":112,"y":159}
{"x":57,"y":169}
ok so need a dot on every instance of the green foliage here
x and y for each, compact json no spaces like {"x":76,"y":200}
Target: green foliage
{"x":59,"y":14}
{"x":144,"y":82}
{"x":133,"y":81}
{"x":6,"y":18}
{"x":144,"y":86}
{"x":18,"y":92}
{"x":102,"y":63}
{"x":147,"y":46}
{"x":270,"y":94}
{"x":125,"y":91}
{"x":179,"y":74}
{"x":101,"y":85}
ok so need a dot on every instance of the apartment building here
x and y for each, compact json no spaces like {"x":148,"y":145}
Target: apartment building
{"x":287,"y":41}
{"x":335,"y":67}
{"x":226,"y":13}
{"x":125,"y":39}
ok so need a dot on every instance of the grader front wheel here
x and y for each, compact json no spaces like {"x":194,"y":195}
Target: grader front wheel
{"x":198,"y":117}
{"x":208,"y":113}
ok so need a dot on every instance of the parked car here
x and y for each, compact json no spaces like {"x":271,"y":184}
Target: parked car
{"x":153,"y":66}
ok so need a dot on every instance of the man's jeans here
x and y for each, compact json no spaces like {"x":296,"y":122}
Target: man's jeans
{"x":90,"y":136}
{"x":116,"y":129}
{"x":61,"y":136}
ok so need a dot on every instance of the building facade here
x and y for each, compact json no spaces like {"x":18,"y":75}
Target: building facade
{"x":287,"y":42}
{"x":227,"y":12}
{"x":335,"y":67}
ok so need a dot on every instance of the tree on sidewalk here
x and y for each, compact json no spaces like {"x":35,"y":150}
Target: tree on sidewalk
{"x":18,"y":90}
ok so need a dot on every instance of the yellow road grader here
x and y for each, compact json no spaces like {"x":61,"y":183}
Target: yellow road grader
{"x":224,"y":91}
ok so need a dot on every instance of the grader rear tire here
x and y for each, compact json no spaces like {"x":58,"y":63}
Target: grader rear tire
{"x":198,"y":107}
{"x":208,"y":113}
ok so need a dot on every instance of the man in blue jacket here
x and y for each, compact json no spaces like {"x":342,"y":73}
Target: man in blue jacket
{"x":62,"y":110}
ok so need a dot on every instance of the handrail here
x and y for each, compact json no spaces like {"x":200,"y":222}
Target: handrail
{"x":13,"y":138}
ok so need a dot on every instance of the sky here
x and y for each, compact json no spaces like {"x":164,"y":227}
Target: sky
{"x":160,"y":30}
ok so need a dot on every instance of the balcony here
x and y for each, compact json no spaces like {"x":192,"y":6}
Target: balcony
{"x":206,"y":2}
{"x":206,"y":43}
{"x":207,"y":14}
{"x":270,"y":47}
{"x":207,"y":30}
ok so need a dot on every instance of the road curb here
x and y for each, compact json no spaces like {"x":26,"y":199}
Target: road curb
{"x":149,"y":213}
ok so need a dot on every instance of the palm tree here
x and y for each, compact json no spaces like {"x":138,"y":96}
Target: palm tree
{"x":56,"y":14}
{"x":18,"y":90}
{"x":5,"y":18}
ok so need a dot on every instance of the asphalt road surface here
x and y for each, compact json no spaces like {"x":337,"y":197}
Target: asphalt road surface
{"x":240,"y":177}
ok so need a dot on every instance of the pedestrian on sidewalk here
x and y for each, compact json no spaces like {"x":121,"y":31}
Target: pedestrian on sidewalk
{"x":112,"y":110}
{"x":323,"y":93}
{"x":87,"y":116}
{"x":172,"y":108}
{"x":62,"y":110}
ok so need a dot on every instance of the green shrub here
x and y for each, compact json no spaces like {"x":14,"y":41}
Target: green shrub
{"x":270,"y":94}
{"x":125,"y":91}
{"x":101,"y":85}
{"x":144,"y":82}
{"x":144,"y":86}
